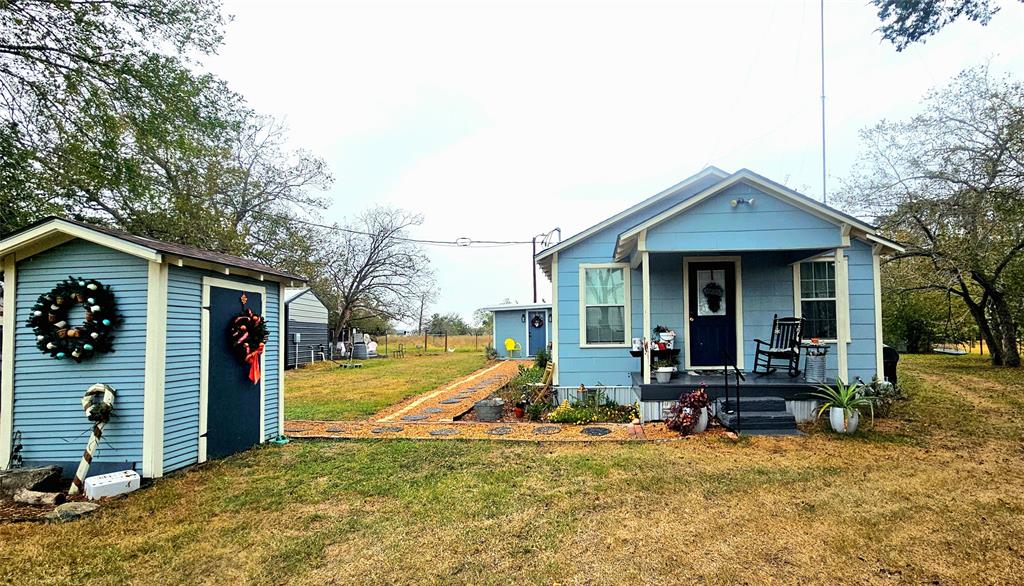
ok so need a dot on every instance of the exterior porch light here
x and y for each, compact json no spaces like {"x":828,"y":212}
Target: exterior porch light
{"x":742,"y":201}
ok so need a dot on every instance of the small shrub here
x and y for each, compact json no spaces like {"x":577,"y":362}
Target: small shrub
{"x":535,"y":411}
{"x":541,"y":359}
{"x":490,"y":352}
{"x":885,"y":396}
{"x":594,"y":407}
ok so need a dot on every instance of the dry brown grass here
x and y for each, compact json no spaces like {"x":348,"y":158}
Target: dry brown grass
{"x":934,"y":496}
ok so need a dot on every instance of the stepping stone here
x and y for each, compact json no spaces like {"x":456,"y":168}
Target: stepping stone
{"x":433,"y":410}
{"x":547,"y":430}
{"x":335,"y":429}
{"x":446,"y":431}
{"x":386,"y":429}
{"x":414,"y":418}
{"x":595,"y":431}
{"x":450,"y":401}
{"x":503,"y":430}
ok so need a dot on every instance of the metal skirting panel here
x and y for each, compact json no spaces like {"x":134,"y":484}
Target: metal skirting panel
{"x":653,"y":410}
{"x":621,"y":395}
{"x":803,"y":411}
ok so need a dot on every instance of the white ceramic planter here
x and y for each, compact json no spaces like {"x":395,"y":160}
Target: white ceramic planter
{"x":702,"y":422}
{"x":663,"y":375}
{"x":841,"y":423}
{"x":667,"y":336}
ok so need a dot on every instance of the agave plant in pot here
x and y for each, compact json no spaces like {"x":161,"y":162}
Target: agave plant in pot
{"x":844,"y":403}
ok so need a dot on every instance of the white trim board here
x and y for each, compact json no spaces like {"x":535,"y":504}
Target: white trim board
{"x":204,"y":357}
{"x":876,"y":275}
{"x":7,"y":375}
{"x":554,"y":316}
{"x":280,"y":360}
{"x":738,"y":272}
{"x":154,"y":381}
{"x":628,"y":309}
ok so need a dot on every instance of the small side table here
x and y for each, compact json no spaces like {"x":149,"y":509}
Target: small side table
{"x":814,"y":362}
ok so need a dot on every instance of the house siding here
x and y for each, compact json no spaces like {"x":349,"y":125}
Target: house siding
{"x":47,"y":392}
{"x":181,"y":394}
{"x":768,"y":224}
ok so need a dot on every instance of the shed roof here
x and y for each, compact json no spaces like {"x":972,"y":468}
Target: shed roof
{"x":517,"y":307}
{"x":47,"y":233}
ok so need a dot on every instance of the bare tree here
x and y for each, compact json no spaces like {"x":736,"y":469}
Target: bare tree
{"x":371,"y":268}
{"x":949,"y":184}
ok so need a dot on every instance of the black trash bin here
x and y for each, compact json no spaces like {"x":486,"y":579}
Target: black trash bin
{"x":889,"y":359}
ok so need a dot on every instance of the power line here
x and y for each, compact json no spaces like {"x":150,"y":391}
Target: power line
{"x":461,"y":242}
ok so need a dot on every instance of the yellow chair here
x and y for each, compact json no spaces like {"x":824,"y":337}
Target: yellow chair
{"x":511,"y":347}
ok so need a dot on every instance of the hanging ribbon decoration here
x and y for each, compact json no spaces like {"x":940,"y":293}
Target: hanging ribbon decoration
{"x":98,"y":404}
{"x":248,"y":335}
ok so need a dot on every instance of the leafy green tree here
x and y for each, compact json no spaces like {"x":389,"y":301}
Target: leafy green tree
{"x":949,"y":184}
{"x":905,"y":22}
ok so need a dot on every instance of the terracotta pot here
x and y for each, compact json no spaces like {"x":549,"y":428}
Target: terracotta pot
{"x":519,"y":412}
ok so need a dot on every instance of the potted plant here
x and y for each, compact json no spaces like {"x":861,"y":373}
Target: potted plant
{"x":697,"y":402}
{"x":844,"y":403}
{"x":520,"y":408}
{"x":663,"y":369}
{"x":665,"y":335}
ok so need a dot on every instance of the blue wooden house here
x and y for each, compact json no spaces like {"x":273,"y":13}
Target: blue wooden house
{"x":528,"y":325}
{"x":182,"y":396}
{"x":715,"y":258}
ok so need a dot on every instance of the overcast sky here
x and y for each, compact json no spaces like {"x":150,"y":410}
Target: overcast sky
{"x":499,"y":120}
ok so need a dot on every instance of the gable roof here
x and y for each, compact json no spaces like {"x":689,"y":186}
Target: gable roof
{"x":627,"y":240}
{"x":543,"y":258}
{"x":52,"y":231}
{"x":516,"y":307}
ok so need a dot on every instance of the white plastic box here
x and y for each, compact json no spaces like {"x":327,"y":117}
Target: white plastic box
{"x":113,"y":484}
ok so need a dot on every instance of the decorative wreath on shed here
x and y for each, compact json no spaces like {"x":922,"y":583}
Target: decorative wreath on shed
{"x":248,"y":336}
{"x":56,"y":337}
{"x":537,"y":321}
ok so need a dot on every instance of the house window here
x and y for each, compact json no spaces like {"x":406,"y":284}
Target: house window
{"x":604,"y":310}
{"x":818,"y":299}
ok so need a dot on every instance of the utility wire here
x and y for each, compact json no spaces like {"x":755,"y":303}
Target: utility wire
{"x":458,"y":242}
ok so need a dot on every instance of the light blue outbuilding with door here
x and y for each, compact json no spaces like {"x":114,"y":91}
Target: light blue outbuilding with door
{"x":182,"y":397}
{"x":527,"y":325}
{"x":714,"y":258}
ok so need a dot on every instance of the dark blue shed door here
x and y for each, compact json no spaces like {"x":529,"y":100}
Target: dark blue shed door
{"x":538,"y":328}
{"x":233,"y":401}
{"x":712,"y":307}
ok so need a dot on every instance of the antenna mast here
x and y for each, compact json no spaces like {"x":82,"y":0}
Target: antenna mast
{"x":824,"y":193}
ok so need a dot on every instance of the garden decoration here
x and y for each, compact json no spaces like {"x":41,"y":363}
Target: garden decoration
{"x":60,"y":339}
{"x":248,"y":335}
{"x":98,"y":404}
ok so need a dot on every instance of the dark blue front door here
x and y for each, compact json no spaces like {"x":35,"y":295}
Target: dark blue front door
{"x":712,"y":306}
{"x":233,"y":401}
{"x":538,"y":327}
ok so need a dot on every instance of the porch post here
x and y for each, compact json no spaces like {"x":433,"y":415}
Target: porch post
{"x":646,"y":271}
{"x":843,"y":317}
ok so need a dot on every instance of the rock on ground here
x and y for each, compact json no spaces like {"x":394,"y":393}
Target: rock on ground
{"x":71,"y":511}
{"x":11,"y":481}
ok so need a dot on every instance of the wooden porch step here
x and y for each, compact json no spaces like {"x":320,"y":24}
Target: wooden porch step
{"x":757,"y":416}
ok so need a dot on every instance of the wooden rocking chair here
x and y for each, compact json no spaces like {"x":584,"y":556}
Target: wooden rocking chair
{"x":784,"y":346}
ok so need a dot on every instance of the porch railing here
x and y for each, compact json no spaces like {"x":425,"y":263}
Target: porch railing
{"x":730,"y":362}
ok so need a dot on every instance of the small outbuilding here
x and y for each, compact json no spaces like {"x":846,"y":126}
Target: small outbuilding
{"x":307,"y":335}
{"x":190,"y":340}
{"x":527,"y":325}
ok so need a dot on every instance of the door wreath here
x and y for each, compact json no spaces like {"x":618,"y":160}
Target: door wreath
{"x":248,"y":336}
{"x":714,"y":293}
{"x":537,"y":322}
{"x":56,"y":337}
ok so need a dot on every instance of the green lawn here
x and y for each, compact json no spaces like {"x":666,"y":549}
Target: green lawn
{"x":935,"y":496}
{"x":326,"y":391}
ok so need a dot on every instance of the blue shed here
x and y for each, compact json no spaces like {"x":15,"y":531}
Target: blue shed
{"x":529,"y":325}
{"x":306,"y":330}
{"x":182,"y":394}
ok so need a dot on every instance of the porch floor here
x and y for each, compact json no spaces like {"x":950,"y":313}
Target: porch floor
{"x":777,"y":384}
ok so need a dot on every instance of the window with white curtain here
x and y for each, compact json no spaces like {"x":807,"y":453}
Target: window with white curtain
{"x":818,"y":299}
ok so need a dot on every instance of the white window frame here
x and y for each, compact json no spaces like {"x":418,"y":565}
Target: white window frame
{"x":628,"y":303}
{"x":798,"y":298}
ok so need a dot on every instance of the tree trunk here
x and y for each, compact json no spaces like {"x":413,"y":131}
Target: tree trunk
{"x":1007,"y":330}
{"x":994,"y":343}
